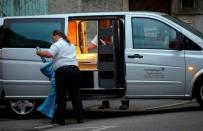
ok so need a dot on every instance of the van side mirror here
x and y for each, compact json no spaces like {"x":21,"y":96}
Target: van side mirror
{"x":175,"y":45}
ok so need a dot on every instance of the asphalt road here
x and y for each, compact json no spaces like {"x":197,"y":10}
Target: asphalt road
{"x":143,"y":115}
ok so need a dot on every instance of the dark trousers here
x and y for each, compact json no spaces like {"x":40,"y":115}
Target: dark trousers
{"x":67,"y":81}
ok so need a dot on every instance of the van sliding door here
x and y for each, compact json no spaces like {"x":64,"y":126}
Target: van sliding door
{"x":110,"y":54}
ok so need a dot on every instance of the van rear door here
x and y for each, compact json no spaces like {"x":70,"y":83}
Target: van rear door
{"x":153,"y":69}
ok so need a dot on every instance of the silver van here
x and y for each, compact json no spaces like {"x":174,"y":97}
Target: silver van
{"x":147,"y":55}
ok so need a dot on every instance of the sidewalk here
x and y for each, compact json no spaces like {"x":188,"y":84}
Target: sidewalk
{"x":139,"y":105}
{"x":91,"y":111}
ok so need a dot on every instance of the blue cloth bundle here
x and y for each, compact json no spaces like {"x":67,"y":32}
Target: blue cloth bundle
{"x":49,"y":104}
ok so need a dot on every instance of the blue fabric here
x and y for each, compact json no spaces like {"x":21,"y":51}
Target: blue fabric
{"x":48,"y":106}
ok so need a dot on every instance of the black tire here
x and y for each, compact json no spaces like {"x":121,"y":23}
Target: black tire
{"x":21,"y":108}
{"x":2,"y":99}
{"x":199,"y":94}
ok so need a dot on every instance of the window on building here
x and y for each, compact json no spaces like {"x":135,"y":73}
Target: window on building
{"x":152,"y":34}
{"x":29,"y":33}
{"x":188,"y":4}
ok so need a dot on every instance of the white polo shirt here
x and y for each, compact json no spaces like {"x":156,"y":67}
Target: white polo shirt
{"x":63,"y":54}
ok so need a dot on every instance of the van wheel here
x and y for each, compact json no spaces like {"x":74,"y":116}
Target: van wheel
{"x":21,"y":108}
{"x":199,"y":94}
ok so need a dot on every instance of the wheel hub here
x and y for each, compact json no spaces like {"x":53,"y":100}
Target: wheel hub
{"x":22,"y":107}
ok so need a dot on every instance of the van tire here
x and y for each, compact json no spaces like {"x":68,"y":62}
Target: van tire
{"x":2,"y":99}
{"x":199,"y":94}
{"x":21,"y":108}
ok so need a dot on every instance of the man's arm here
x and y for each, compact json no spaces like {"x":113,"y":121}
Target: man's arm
{"x":91,"y":46}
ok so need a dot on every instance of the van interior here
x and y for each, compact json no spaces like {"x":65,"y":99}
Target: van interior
{"x":102,"y":68}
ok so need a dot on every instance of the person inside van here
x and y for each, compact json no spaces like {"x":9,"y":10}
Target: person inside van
{"x":67,"y":75}
{"x":94,"y":43}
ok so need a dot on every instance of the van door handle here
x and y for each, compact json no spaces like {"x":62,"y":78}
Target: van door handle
{"x":135,"y":56}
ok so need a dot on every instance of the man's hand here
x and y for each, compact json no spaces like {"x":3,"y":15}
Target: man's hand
{"x":38,"y":52}
{"x":104,"y":42}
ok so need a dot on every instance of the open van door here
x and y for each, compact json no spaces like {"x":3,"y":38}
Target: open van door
{"x":109,"y":54}
{"x":102,"y":69}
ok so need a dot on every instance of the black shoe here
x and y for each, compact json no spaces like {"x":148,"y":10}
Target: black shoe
{"x":124,"y":107}
{"x":61,"y":122}
{"x":104,"y":105}
{"x":80,"y":121}
{"x":124,"y":104}
{"x":53,"y":120}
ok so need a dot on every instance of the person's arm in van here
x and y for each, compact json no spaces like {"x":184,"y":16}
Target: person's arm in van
{"x":93,"y":44}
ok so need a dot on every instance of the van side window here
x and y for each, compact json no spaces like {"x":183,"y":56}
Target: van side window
{"x":190,"y":45}
{"x":29,"y":33}
{"x":152,"y":34}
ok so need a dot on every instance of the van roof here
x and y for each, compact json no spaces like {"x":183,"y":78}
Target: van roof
{"x":90,"y":14}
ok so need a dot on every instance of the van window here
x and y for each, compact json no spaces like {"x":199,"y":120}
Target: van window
{"x":29,"y":33}
{"x":152,"y":34}
{"x":184,"y":25}
{"x":190,"y":45}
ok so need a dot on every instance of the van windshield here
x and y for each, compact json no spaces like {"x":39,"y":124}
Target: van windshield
{"x":184,"y":25}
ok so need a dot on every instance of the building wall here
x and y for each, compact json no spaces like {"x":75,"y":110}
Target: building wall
{"x":23,"y":7}
{"x":191,"y":16}
{"x":72,"y":6}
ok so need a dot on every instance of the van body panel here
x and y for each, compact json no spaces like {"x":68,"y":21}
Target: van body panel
{"x":193,"y":59}
{"x":128,"y":33}
{"x":1,"y":72}
{"x":154,"y":74}
{"x":21,"y":73}
{"x":1,"y":27}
